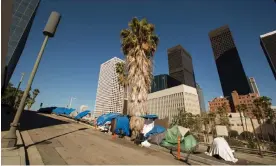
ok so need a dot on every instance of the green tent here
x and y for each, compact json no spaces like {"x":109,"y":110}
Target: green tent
{"x":187,"y":141}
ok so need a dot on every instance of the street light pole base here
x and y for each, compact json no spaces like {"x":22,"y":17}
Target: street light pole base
{"x":10,"y":139}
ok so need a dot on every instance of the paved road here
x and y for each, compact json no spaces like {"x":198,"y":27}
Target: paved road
{"x":77,"y":144}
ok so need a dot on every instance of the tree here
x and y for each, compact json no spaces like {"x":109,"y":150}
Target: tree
{"x":212,"y":118}
{"x":35,"y":93}
{"x":187,"y":120}
{"x":239,"y":108}
{"x":122,"y":80}
{"x":264,"y":104}
{"x":259,"y":113}
{"x":206,"y":122}
{"x":29,"y":103}
{"x":138,"y":43}
{"x":223,"y":117}
{"x":8,"y":96}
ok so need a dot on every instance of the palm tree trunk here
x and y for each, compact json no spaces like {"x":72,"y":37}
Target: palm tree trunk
{"x":261,"y":128}
{"x":246,"y":127}
{"x":258,"y":142}
{"x":241,"y":122}
{"x":125,"y":102}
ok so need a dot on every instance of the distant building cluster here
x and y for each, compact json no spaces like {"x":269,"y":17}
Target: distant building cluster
{"x":179,"y":89}
{"x":232,"y":101}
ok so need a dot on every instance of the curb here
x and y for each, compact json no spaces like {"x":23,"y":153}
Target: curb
{"x":32,"y":152}
{"x":21,"y":151}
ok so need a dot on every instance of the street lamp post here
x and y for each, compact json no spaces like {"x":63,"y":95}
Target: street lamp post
{"x":10,"y":139}
{"x":72,"y":98}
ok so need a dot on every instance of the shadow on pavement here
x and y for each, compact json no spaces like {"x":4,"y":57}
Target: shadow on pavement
{"x":47,"y":141}
{"x":29,"y":120}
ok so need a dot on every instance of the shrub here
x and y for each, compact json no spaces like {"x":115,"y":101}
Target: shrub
{"x":251,"y":144}
{"x":234,"y":142}
{"x":233,"y":133}
{"x":246,"y":135}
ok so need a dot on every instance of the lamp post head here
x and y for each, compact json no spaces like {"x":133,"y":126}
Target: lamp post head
{"x":52,"y":24}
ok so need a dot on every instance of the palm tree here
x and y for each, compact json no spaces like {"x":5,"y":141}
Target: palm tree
{"x":35,"y":93}
{"x":259,"y":113}
{"x":138,"y":42}
{"x":222,"y":112}
{"x":122,"y":80}
{"x":269,"y":114}
{"x":244,"y":110}
{"x":239,"y":108}
{"x":29,"y":103}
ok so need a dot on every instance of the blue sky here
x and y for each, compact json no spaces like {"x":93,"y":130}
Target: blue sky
{"x":88,"y":35}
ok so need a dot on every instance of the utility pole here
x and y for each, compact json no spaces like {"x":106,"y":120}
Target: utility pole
{"x":10,"y":140}
{"x":15,"y":94}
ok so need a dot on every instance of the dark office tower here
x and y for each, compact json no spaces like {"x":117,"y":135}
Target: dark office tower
{"x":181,"y":65}
{"x":200,"y":98}
{"x":231,"y":73}
{"x":22,"y":18}
{"x":268,"y":43}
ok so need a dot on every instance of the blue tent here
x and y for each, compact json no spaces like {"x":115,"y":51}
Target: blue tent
{"x":58,"y":110}
{"x":106,"y":117}
{"x":156,"y":130}
{"x":82,"y":114}
{"x":68,"y":111}
{"x":122,"y":125}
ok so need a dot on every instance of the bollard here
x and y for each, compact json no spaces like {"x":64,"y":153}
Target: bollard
{"x":178,"y":148}
{"x":113,"y":136}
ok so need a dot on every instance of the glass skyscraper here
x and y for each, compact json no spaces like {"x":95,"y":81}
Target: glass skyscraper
{"x":163,"y":81}
{"x":231,"y":73}
{"x":22,"y":18}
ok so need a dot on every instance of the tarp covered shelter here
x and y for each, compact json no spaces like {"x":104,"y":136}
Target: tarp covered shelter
{"x":122,"y":126}
{"x":106,"y":117}
{"x":82,"y":114}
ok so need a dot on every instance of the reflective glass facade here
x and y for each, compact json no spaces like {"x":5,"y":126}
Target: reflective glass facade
{"x":163,"y":81}
{"x":22,"y":18}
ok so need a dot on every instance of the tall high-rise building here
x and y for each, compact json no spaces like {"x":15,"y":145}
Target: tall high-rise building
{"x":110,"y":95}
{"x":268,"y":43}
{"x":6,"y":19}
{"x":253,"y":85}
{"x":23,"y":13}
{"x":231,"y":73}
{"x":163,"y":81}
{"x":200,"y":98}
{"x":181,"y":65}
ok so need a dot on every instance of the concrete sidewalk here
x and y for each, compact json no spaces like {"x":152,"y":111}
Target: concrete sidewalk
{"x":13,"y":156}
